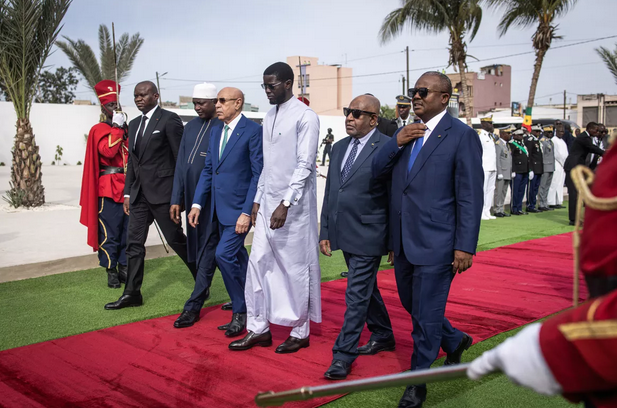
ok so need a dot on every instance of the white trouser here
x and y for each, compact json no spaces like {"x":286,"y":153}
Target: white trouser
{"x":259,"y":326}
{"x":490,"y":177}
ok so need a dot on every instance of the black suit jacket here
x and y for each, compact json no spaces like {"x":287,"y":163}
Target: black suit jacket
{"x":387,"y":127}
{"x":581,"y":147}
{"x":354,"y":216}
{"x":520,"y":161}
{"x":151,"y":172}
{"x":535,"y":155}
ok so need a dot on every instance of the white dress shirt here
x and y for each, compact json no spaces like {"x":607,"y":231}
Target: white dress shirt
{"x":148,"y":117}
{"x":430,"y":126}
{"x":363,"y":140}
{"x":232,"y":125}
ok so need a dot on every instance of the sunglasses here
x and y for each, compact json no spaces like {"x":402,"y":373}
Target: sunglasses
{"x":356,"y":113}
{"x":270,"y":86}
{"x":422,"y":92}
{"x":223,"y":100}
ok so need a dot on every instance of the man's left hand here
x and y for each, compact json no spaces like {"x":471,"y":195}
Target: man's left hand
{"x":279,"y":216}
{"x":243,"y":224}
{"x":462,"y":261}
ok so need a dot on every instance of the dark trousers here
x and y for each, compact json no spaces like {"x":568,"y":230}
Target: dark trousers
{"x":232,"y":259}
{"x":206,"y":266}
{"x":364,"y":305}
{"x":142,"y":214}
{"x":326,"y":151}
{"x":532,"y":192}
{"x":572,"y":197}
{"x":113,"y":232}
{"x":423,"y":290}
{"x":519,"y":185}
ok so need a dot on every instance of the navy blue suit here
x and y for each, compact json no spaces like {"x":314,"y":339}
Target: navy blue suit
{"x":354,"y":218}
{"x":435,"y":209}
{"x":230,"y":184}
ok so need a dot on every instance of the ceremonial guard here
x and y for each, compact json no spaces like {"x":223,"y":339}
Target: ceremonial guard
{"x":504,"y":172}
{"x":548,"y":164}
{"x":520,"y":172}
{"x":536,"y":168}
{"x":489,"y":164}
{"x":403,"y":108}
{"x":102,"y":186}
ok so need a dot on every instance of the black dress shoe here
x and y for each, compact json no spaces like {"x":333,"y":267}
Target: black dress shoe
{"x":345,"y":274}
{"x":500,"y":215}
{"x":250,"y":340}
{"x":374,"y":347}
{"x":291,"y":345}
{"x":557,"y":207}
{"x":226,"y":306}
{"x":517,"y":213}
{"x":545,"y":209}
{"x":532,"y":210}
{"x":186,"y":319}
{"x":237,"y":325}
{"x":455,"y":357}
{"x":413,"y":397}
{"x":505,"y":214}
{"x":122,"y":271}
{"x":125,"y":301}
{"x":339,"y":370}
{"x":572,"y":223}
{"x":112,"y":279}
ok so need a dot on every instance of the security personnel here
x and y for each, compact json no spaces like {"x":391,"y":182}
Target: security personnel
{"x":504,"y":172}
{"x":102,"y":186}
{"x":536,"y":168}
{"x":489,"y":164}
{"x":520,"y":172}
{"x":548,"y":164}
{"x":403,"y":108}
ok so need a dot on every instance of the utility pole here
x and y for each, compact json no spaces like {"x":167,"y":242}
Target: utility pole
{"x":404,"y":89}
{"x":564,"y":104}
{"x":407,"y":52}
{"x":158,"y":85}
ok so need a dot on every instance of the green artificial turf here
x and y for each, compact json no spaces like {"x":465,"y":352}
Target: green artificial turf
{"x":55,"y":306}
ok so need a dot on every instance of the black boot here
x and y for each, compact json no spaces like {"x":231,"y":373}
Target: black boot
{"x":112,"y":278}
{"x":122,"y":270}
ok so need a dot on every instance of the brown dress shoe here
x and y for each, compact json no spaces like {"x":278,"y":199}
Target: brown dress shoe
{"x":292,"y":344}
{"x":252,"y":339}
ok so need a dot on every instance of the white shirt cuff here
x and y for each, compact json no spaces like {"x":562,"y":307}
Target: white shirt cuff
{"x":196,"y":206}
{"x":127,"y":196}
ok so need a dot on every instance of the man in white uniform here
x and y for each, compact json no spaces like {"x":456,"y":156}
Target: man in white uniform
{"x":555,"y":191}
{"x":283,"y":276}
{"x":489,"y":164}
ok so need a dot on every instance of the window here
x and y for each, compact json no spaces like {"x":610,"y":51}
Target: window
{"x":304,"y":79}
{"x":611,"y":116}
{"x":590,"y":114}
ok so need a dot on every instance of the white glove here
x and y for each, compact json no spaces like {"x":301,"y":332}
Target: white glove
{"x":530,"y":175}
{"x":500,"y":177}
{"x":513,"y":175}
{"x":521,"y":359}
{"x":118,"y":119}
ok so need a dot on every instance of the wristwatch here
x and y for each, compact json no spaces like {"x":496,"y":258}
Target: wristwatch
{"x":286,"y":203}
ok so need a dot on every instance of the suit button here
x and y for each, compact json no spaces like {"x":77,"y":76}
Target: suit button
{"x":340,"y":190}
{"x":217,"y":172}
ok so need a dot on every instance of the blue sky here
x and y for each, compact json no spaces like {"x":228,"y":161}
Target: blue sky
{"x":234,"y":41}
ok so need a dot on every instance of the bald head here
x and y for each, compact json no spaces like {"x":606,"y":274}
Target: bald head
{"x":146,"y":96}
{"x":366,"y":108}
{"x":229,"y":104}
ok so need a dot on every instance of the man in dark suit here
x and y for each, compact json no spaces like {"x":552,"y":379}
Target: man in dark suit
{"x":387,"y":127}
{"x":435,"y":211}
{"x":520,"y":171}
{"x":536,"y":167}
{"x":229,"y":181}
{"x":154,"y":140}
{"x":581,"y":147}
{"x":354,"y":218}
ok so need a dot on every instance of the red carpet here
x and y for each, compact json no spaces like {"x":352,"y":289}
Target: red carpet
{"x":151,"y":364}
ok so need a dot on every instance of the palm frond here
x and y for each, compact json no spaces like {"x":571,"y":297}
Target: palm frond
{"x":106,"y":53}
{"x":421,"y":15}
{"x":82,"y":57}
{"x":130,"y":48}
{"x":610,"y":59}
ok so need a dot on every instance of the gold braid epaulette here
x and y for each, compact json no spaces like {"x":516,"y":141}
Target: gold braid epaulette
{"x":583,"y":177}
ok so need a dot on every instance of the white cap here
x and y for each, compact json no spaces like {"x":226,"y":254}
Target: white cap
{"x":537,"y":128}
{"x":204,"y":91}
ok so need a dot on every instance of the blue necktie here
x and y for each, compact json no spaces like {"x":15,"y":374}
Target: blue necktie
{"x":414,"y":152}
{"x":350,"y":159}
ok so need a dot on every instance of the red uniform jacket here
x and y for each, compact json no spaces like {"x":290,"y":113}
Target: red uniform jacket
{"x":105,"y":147}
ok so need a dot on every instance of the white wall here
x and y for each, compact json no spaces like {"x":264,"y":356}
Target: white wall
{"x":65,"y":125}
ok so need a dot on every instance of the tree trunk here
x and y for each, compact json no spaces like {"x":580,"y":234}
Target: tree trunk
{"x":463,"y":92}
{"x":26,"y":171}
{"x":536,"y":75}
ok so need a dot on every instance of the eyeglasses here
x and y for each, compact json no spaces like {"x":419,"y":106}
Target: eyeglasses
{"x":270,"y":86}
{"x":223,"y":100}
{"x":356,"y":113}
{"x":422,"y":92}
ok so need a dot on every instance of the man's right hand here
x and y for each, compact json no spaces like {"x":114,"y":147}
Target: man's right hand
{"x":174,"y":213}
{"x":254,"y":212}
{"x":126,"y":205}
{"x":194,"y":217}
{"x":409,"y":133}
{"x":324,"y":247}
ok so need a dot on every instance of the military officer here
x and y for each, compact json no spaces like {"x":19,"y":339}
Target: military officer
{"x":504,"y":171}
{"x":520,"y":172}
{"x":532,"y":142}
{"x":489,"y":164}
{"x":403,"y":108}
{"x":548,"y":164}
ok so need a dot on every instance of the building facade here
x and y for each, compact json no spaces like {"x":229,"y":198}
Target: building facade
{"x":598,"y":108}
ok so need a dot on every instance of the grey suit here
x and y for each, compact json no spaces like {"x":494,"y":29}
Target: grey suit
{"x":504,"y":175}
{"x":354,"y":218}
{"x":548,"y":162}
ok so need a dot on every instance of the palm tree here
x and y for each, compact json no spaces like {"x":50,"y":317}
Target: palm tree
{"x":610,"y":59}
{"x":28,"y":29}
{"x":527,"y":13}
{"x":460,"y":18}
{"x":83,"y":58}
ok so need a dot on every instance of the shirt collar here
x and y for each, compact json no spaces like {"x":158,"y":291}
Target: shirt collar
{"x":432,"y":124}
{"x":232,"y":125}
{"x":150,"y":112}
{"x":364,"y":138}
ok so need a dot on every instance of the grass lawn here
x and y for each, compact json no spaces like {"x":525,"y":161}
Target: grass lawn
{"x":51,"y":307}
